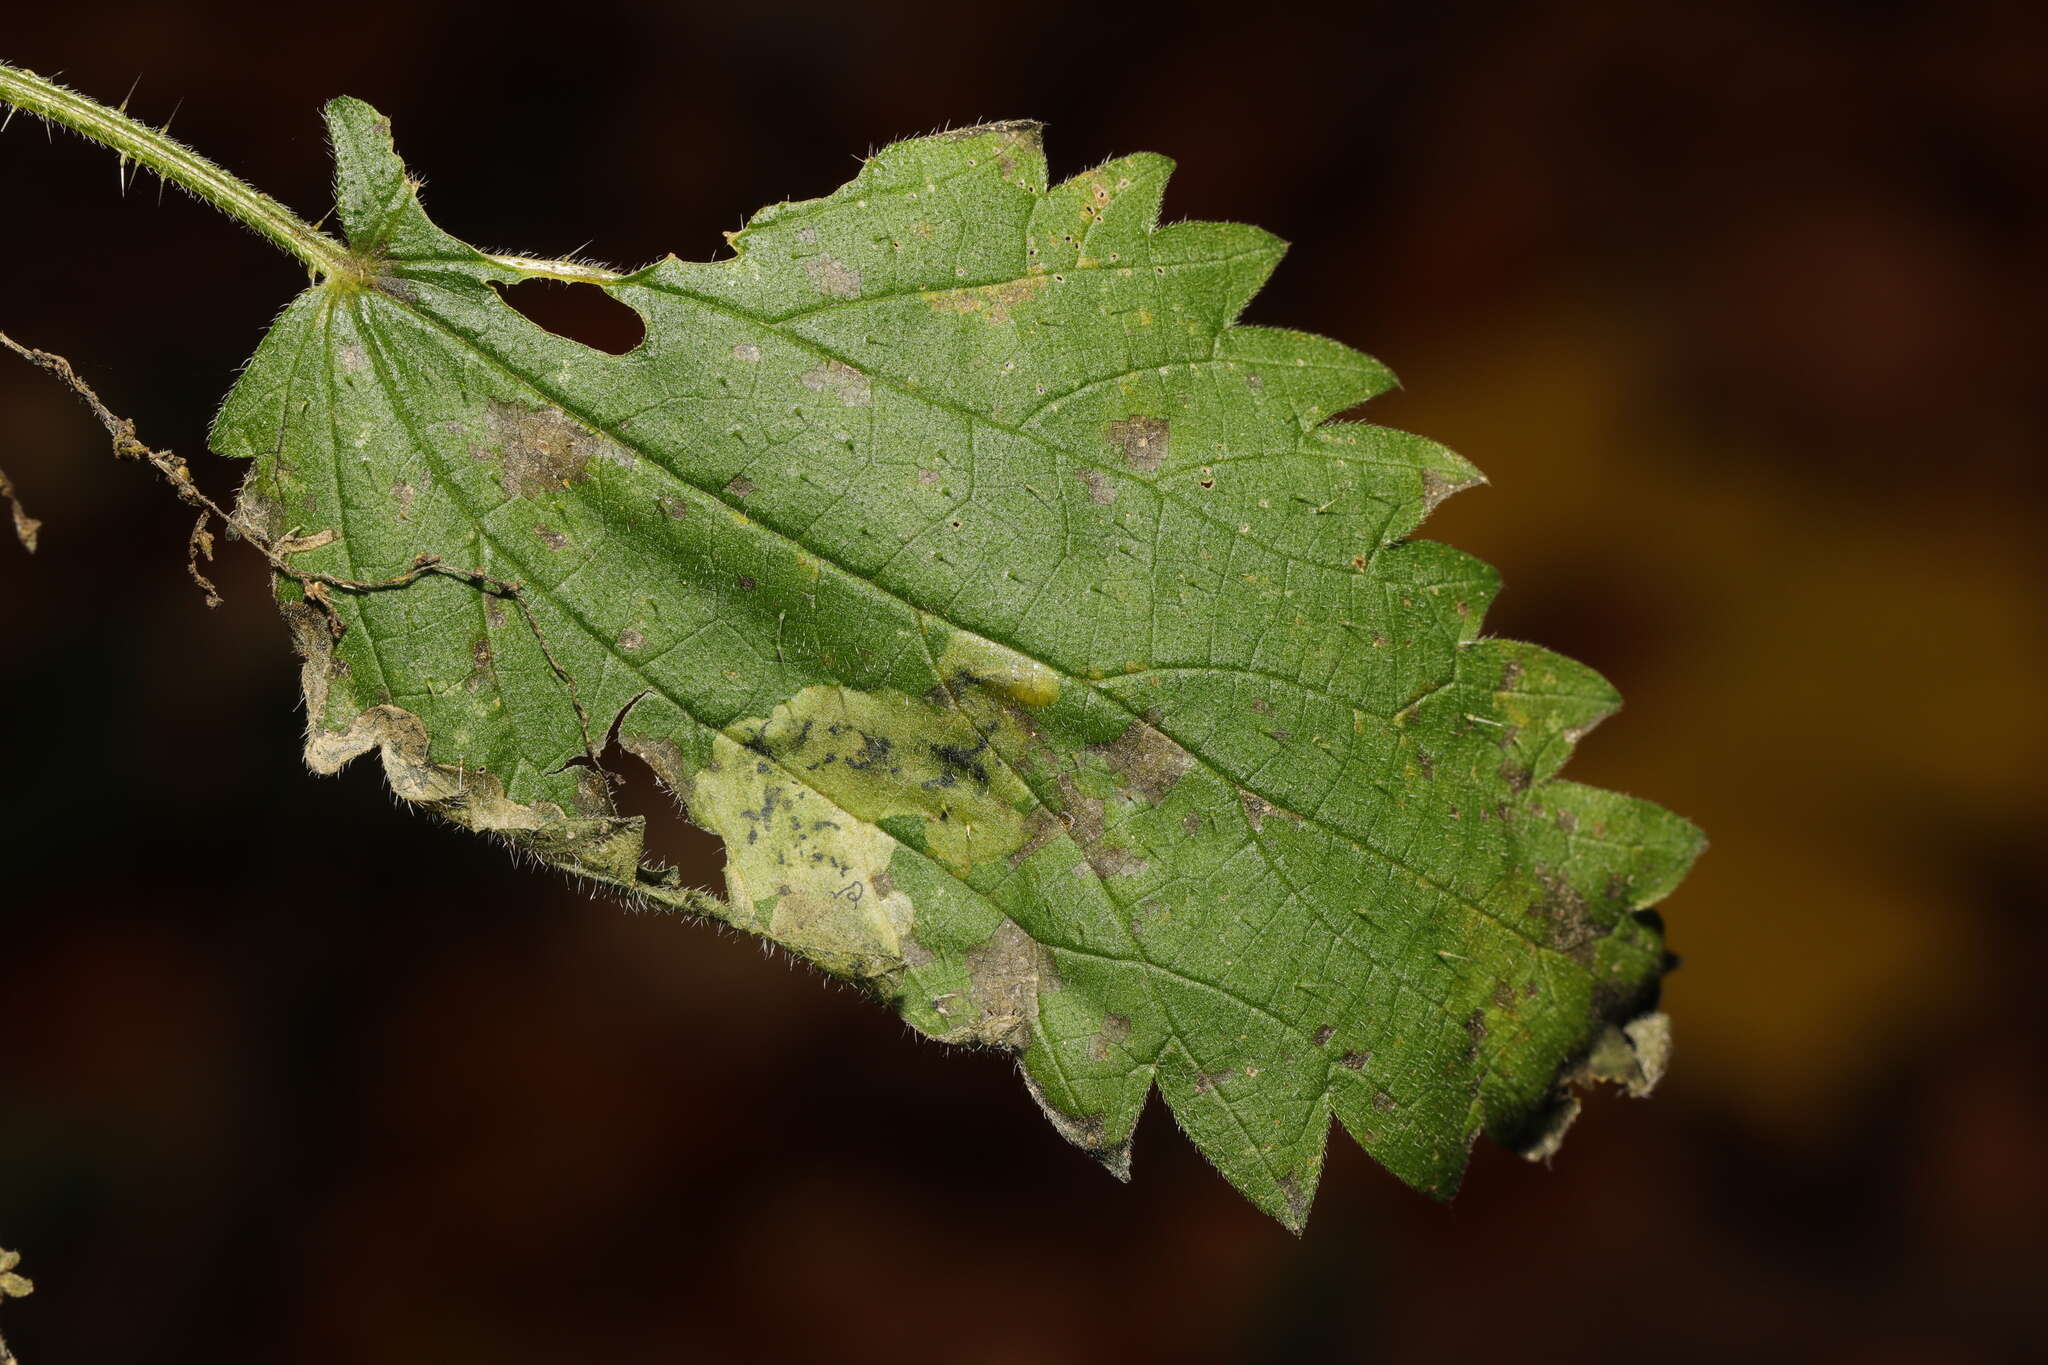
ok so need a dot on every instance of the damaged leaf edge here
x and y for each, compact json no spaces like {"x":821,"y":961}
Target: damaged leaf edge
{"x":1631,"y":1056}
{"x":604,"y":849}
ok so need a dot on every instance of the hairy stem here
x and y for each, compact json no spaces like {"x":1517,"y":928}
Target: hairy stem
{"x":178,"y":164}
{"x":569,"y":272}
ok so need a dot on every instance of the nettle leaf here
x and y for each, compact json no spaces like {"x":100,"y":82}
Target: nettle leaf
{"x":1046,"y":658}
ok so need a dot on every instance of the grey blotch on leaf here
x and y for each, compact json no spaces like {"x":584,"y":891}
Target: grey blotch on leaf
{"x":832,"y":277}
{"x":844,"y":382}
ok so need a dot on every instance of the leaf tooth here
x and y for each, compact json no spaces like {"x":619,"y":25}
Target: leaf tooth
{"x":1543,"y":703}
{"x":1264,"y":1128}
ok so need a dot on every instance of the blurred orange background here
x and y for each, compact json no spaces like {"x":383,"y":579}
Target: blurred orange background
{"x":1735,"y":306}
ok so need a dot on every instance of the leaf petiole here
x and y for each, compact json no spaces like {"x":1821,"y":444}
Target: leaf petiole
{"x":174,"y":161}
{"x":179,"y":164}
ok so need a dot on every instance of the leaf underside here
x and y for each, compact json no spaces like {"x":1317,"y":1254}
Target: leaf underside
{"x":1048,"y":660}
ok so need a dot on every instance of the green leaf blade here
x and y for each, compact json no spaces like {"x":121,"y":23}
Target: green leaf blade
{"x":1047,"y":658}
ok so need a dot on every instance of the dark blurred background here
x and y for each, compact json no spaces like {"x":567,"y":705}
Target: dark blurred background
{"x":1735,"y":304}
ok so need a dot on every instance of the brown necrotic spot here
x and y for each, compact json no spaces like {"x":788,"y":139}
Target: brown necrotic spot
{"x":1146,"y":762}
{"x":1006,"y":975}
{"x":1115,"y":1031}
{"x":1082,"y":817}
{"x":1475,"y":1033}
{"x":483,"y":671}
{"x":257,"y":509}
{"x":1569,"y":918}
{"x":1101,"y":491}
{"x":995,"y":303}
{"x":1256,"y":809}
{"x":1041,"y":828}
{"x":593,"y":793}
{"x":543,"y":451}
{"x":1143,"y":441}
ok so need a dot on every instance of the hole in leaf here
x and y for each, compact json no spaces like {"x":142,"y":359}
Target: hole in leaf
{"x":580,"y":312}
{"x":698,"y":854}
{"x":670,"y":838}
